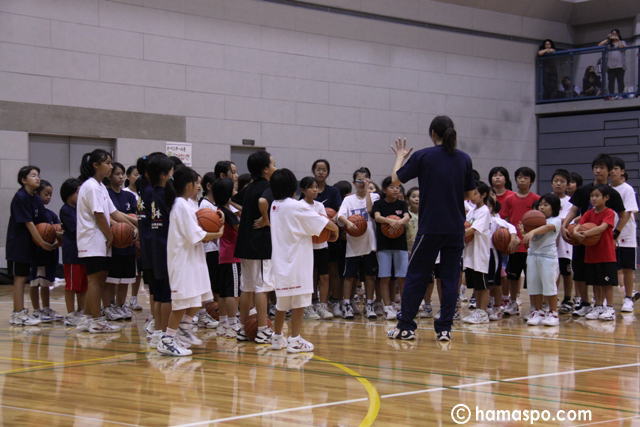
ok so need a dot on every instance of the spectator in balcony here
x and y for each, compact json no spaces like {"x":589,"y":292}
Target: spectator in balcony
{"x":549,"y":71}
{"x":568,"y":90}
{"x":615,"y":61}
{"x":591,"y":84}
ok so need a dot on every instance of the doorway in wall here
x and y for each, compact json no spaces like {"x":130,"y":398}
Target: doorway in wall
{"x":239,"y":156}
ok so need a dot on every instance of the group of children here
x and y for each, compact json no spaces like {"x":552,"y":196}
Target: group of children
{"x":265,"y":244}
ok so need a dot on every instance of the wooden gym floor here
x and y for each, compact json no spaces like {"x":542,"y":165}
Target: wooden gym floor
{"x":53,"y":376}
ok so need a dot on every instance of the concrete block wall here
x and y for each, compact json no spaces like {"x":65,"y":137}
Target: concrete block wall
{"x":302,"y":83}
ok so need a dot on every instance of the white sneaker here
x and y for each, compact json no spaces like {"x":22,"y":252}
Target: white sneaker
{"x":298,"y":345}
{"x":171,"y":347}
{"x":608,"y":313}
{"x":264,"y":336}
{"x":477,"y":317}
{"x":42,"y":316}
{"x":347,"y":310}
{"x":150,"y":326}
{"x":535,"y":318}
{"x":72,"y":319}
{"x":125,"y":312}
{"x":185,"y":332}
{"x":337,"y":309}
{"x":324,"y":312}
{"x":426,"y":311}
{"x":112,"y":313}
{"x":83,"y":323}
{"x":512,"y":309}
{"x":22,"y":318}
{"x":595,"y":313}
{"x":390,"y":313}
{"x":310,"y":313}
{"x":551,"y":319}
{"x":154,"y":338}
{"x":205,"y":321}
{"x":231,"y":332}
{"x":370,"y":312}
{"x":278,"y":342}
{"x":496,"y":314}
{"x":101,"y":326}
{"x":582,"y":311}
{"x":53,"y":314}
{"x":627,"y":305}
{"x":133,"y":304}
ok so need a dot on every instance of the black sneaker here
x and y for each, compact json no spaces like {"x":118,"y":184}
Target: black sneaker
{"x":443,"y":336}
{"x":401,"y":334}
{"x":636,"y":296}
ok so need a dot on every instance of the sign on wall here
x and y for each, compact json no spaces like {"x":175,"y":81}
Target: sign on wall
{"x":181,"y":150}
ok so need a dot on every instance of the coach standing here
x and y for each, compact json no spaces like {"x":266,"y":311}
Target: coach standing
{"x":445,"y":180}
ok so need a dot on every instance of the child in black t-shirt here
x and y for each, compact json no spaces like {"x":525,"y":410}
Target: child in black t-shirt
{"x":391,"y":252}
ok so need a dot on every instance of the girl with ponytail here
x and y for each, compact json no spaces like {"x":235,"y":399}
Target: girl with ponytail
{"x":95,"y":211}
{"x":445,"y":178}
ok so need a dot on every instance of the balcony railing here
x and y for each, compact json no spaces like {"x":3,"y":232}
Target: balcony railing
{"x":588,"y":73}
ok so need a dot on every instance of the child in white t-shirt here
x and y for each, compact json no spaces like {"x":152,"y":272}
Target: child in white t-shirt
{"x":559,"y":184}
{"x":477,"y":253}
{"x":361,"y":250}
{"x":186,"y":265}
{"x":292,"y":226}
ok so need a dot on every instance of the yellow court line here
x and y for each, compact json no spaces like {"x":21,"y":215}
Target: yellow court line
{"x":62,"y":364}
{"x":374,"y":397}
{"x":18,"y":359}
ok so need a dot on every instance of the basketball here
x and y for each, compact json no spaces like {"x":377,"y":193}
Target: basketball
{"x":251,"y":326}
{"x":47,"y":231}
{"x":469,"y":238}
{"x":58,"y":228}
{"x":323,"y":237}
{"x":132,"y":215}
{"x":533,"y":219}
{"x":388,"y":232}
{"x":123,"y":234}
{"x":360,"y":223}
{"x":501,"y":240}
{"x":591,"y":240}
{"x":209,"y":220}
{"x":570,"y":240}
{"x":330,"y":213}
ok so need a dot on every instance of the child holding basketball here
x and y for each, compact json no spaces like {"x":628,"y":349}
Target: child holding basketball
{"x":122,"y":266}
{"x":477,"y":253}
{"x":392,"y":252}
{"x":186,"y":265}
{"x":542,"y":263}
{"x":360,"y":254}
{"x":21,"y":235}
{"x":513,"y":208}
{"x":94,"y":214}
{"x":292,"y":225}
{"x":43,"y":270}
{"x":75,"y":273}
{"x":559,"y":183}
{"x":600,"y":259}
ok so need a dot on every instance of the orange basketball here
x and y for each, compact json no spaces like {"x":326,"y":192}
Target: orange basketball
{"x":360,"y":223}
{"x":501,"y":240}
{"x":323,"y":237}
{"x":469,"y":238}
{"x":47,"y":231}
{"x":570,"y":229}
{"x":209,"y":220}
{"x":330,"y":213}
{"x":591,"y":240}
{"x":388,"y":232}
{"x":58,"y":228}
{"x":533,"y":219}
{"x":251,"y":326}
{"x":123,"y":234}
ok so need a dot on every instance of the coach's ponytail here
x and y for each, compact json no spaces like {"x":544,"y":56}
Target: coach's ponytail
{"x":443,"y":127}
{"x":87,"y":170}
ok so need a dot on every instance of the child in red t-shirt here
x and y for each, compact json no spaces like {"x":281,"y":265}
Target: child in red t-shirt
{"x":600,"y":259}
{"x":513,"y":209}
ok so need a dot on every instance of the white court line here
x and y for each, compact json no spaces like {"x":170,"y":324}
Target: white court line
{"x":607,"y":421}
{"x":535,"y":337}
{"x":408,"y":393}
{"x":79,"y":417}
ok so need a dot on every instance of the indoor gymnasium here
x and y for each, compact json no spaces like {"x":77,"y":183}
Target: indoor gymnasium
{"x":319,"y":212}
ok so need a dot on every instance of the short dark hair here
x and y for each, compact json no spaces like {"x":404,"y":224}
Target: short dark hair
{"x":307,"y":182}
{"x":176,"y":161}
{"x":208,"y":179}
{"x":68,"y":188}
{"x":507,"y":181}
{"x":363,"y":169}
{"x":283,"y":184}
{"x":604,"y":189}
{"x":483,"y":188}
{"x":554,"y":201}
{"x":130,"y":170}
{"x":561,"y":173}
{"x":411,"y":190}
{"x":183,"y":176}
{"x":222,"y":191}
{"x":24,"y":172}
{"x":43,"y":184}
{"x":525,"y":171}
{"x":602,"y":159}
{"x":617,"y":161}
{"x":222,"y":167}
{"x":344,"y":187}
{"x":577,"y":178}
{"x":258,"y":162}
{"x":553,"y":45}
{"x":325,"y":161}
{"x":386,"y":182}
